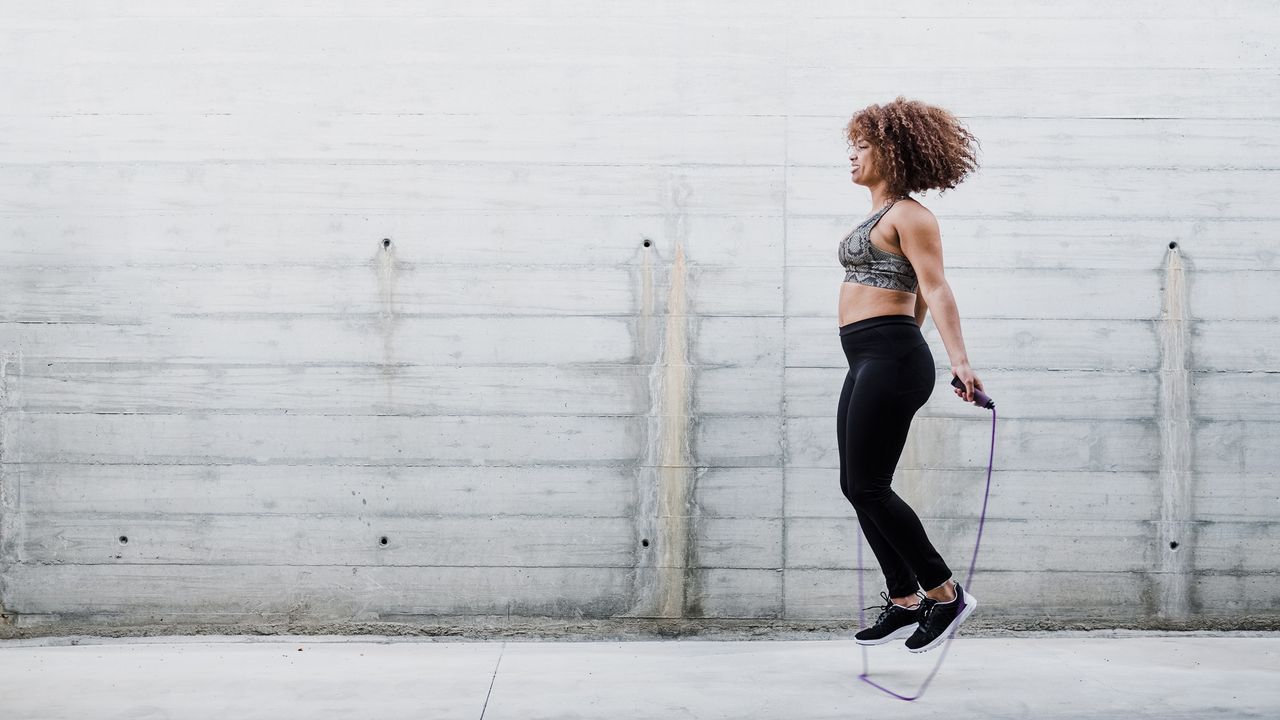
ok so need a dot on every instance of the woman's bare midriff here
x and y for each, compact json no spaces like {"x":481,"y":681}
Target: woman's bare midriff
{"x":858,"y":301}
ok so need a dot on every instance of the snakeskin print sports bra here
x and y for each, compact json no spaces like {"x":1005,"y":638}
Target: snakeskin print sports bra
{"x":869,"y":265}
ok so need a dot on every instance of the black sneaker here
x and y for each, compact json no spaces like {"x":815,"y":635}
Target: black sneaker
{"x":939,"y":620}
{"x":893,"y":622}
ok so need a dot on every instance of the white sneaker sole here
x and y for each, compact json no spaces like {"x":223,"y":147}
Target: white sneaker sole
{"x":905,"y":631}
{"x":970,"y":604}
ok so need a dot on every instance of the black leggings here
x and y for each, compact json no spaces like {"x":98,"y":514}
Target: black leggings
{"x":891,"y":375}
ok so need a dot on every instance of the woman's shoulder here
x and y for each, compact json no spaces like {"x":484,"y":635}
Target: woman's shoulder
{"x":911,"y":214}
{"x":912,"y":206}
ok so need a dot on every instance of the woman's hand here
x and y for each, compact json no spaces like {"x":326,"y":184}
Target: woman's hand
{"x":965,"y":373}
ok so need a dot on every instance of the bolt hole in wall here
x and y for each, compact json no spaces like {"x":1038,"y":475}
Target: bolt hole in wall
{"x":1173,"y":244}
{"x":1173,"y":545}
{"x":124,"y":539}
{"x":386,"y":242}
{"x":647,"y":242}
{"x":644,"y":542}
{"x":382,"y":540}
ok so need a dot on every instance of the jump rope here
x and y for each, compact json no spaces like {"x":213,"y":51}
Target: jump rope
{"x":981,"y":400}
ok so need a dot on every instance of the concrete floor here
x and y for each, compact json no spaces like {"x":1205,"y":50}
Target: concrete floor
{"x":1048,"y":675}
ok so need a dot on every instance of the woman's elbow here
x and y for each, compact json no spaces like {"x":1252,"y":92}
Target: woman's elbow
{"x":935,"y":294}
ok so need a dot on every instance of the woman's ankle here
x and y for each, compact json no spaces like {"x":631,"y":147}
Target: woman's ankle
{"x":946,"y":592}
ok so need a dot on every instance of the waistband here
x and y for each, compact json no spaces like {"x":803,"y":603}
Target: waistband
{"x":876,"y":321}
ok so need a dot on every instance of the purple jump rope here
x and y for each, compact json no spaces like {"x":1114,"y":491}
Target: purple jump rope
{"x":981,"y":400}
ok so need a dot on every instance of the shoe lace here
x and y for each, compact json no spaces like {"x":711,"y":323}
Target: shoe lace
{"x":926,"y":611}
{"x":886,"y":607}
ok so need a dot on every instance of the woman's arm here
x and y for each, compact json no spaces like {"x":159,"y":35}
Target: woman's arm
{"x":922,"y":244}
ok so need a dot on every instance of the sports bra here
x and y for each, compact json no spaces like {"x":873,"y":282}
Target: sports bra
{"x":869,"y":265}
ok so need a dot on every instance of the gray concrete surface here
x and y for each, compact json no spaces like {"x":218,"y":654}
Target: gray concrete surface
{"x":1059,"y":675}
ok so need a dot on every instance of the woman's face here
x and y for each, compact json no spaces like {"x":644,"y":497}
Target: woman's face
{"x":862,"y":159}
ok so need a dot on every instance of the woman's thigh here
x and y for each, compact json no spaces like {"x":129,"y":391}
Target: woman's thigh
{"x":883,"y":400}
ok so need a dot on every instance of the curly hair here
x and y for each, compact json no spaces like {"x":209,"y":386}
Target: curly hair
{"x":920,"y":146}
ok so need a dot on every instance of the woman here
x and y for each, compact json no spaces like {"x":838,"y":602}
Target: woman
{"x":893,"y":262}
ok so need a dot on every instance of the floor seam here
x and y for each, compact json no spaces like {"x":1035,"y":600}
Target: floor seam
{"x":492,"y":680}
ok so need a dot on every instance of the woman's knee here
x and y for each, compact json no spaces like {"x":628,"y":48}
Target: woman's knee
{"x":867,"y":494}
{"x":848,"y":492}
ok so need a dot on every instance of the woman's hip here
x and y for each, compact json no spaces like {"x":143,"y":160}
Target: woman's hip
{"x":884,"y":337}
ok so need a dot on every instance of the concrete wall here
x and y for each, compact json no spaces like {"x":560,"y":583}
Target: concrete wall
{"x":456,"y":310}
